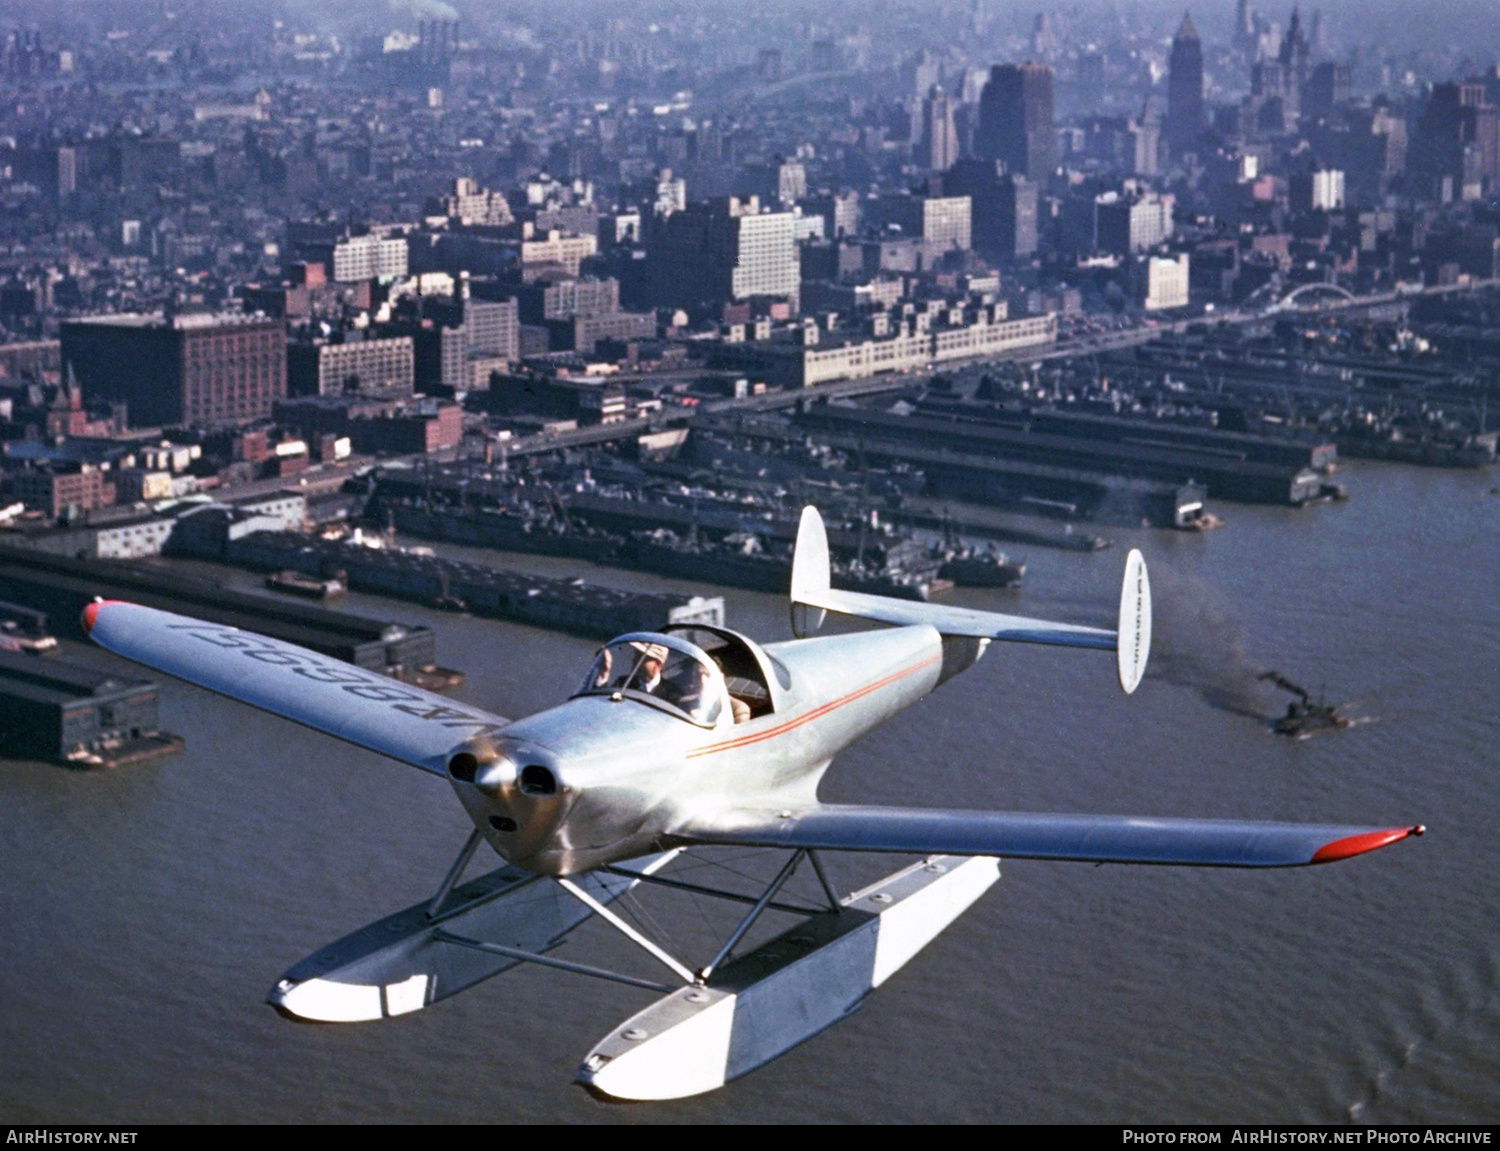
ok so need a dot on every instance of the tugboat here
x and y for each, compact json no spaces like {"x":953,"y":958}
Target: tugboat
{"x":1304,"y":717}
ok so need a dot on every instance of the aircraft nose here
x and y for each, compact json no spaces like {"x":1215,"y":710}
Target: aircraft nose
{"x":514,"y":793}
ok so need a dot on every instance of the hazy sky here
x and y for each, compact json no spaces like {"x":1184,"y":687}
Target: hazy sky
{"x":1471,"y":26}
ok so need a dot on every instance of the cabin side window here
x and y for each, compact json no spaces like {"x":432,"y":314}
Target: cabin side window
{"x":749,"y":694}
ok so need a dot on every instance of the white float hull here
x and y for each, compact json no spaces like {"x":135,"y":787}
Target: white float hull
{"x":763,"y":1004}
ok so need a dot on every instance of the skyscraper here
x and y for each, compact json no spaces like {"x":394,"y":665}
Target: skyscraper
{"x":939,"y":145}
{"x":1185,"y":88}
{"x":1295,"y":58}
{"x":1015,"y":120}
{"x":1244,"y":28}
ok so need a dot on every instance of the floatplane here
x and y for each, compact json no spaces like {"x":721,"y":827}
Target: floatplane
{"x":686,"y":738}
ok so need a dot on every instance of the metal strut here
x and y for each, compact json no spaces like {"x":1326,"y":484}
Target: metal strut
{"x":834,"y":903}
{"x":754,"y":914}
{"x":442,"y":936}
{"x":700,"y":889}
{"x":465,"y":853}
{"x":624,"y":928}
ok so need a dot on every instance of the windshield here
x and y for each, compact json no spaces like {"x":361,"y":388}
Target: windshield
{"x":656,"y":670}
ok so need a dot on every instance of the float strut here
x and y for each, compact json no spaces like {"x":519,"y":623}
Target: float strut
{"x":749,"y":920}
{"x":465,"y":854}
{"x":833,"y":899}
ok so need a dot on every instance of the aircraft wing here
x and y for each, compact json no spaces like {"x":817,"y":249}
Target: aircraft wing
{"x":363,"y":707}
{"x":1019,"y":835}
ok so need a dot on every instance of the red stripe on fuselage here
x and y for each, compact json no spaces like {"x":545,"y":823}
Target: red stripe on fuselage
{"x":815,"y":713}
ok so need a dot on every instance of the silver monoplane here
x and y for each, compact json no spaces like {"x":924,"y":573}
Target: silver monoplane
{"x":688,"y":737}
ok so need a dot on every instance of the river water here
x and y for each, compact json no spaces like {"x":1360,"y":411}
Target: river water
{"x":147,"y":911}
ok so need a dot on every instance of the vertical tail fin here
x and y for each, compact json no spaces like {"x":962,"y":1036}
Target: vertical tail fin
{"x":1133,"y":639}
{"x":810,"y":573}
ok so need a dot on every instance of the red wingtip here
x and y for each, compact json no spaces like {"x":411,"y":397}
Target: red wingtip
{"x":1367,"y":841}
{"x":91,"y":613}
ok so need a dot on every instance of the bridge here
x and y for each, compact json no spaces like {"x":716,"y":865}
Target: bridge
{"x":1331,"y":293}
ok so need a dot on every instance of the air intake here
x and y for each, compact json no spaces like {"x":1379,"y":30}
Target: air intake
{"x":463,"y":766}
{"x":537,"y":780}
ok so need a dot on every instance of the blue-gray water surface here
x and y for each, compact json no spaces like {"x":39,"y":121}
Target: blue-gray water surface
{"x":147,"y":911}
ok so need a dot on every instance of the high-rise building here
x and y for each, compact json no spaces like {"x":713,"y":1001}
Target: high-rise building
{"x":1185,"y":88}
{"x":492,"y":329}
{"x":944,"y":223}
{"x":67,"y":172}
{"x":1328,"y":86}
{"x":719,"y":251}
{"x":1456,"y":147}
{"x":791,"y":181}
{"x":1317,"y":40}
{"x":468,"y":203}
{"x":938,"y":148}
{"x":920,"y":73}
{"x":1244,"y":27}
{"x":671,"y":193}
{"x":1164,"y":282}
{"x":1296,"y":60}
{"x":1125,"y":224}
{"x":1145,"y":136}
{"x":366,"y":257}
{"x":379,"y":366}
{"x":201,"y":369}
{"x":1015,"y":120}
{"x":1004,"y":208}
{"x":1317,"y":191}
{"x":841,"y":212}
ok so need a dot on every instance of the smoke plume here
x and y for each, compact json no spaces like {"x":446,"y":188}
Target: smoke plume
{"x":1197,"y":643}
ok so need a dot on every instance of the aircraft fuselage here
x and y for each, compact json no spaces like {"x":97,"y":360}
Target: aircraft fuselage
{"x":600,"y":779}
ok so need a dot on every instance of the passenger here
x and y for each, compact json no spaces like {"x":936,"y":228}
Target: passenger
{"x":738,"y":708}
{"x":690,"y":686}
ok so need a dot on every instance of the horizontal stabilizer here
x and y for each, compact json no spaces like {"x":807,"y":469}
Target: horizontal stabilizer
{"x":1131,"y":642}
{"x":1019,"y":835}
{"x":961,"y":620}
{"x":370,"y":710}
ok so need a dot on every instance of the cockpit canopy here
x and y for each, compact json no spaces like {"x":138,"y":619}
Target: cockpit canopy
{"x":662,"y":670}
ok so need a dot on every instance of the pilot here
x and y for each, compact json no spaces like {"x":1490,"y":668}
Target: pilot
{"x":648,"y":674}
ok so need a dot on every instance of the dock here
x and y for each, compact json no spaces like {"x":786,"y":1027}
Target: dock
{"x":1226,"y":474}
{"x":77,"y":716}
{"x":61,"y":587}
{"x":570,"y":605}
